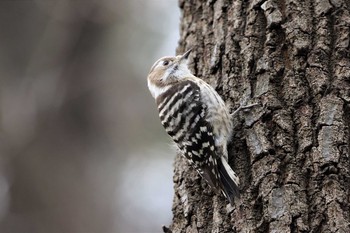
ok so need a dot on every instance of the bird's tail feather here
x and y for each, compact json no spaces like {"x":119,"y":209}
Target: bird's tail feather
{"x":229,"y":180}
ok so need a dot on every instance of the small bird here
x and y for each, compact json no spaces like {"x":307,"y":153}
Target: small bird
{"x":197,"y":119}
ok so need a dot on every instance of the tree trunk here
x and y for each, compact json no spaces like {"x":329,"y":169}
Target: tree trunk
{"x":292,"y":152}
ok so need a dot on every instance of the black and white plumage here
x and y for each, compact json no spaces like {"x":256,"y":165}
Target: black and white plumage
{"x":197,"y":119}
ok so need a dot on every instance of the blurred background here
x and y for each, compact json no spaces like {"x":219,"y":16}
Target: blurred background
{"x":81,"y":146}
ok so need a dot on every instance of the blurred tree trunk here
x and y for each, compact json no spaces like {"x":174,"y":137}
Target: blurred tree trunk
{"x":292,"y":153}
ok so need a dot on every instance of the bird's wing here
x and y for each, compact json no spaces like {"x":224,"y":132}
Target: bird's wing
{"x":183,"y":116}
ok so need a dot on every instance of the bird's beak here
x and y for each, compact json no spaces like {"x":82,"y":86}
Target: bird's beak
{"x":185,"y":55}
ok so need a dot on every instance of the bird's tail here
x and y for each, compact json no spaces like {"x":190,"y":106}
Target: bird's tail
{"x":229,"y":180}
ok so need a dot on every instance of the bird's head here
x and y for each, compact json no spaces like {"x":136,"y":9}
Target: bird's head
{"x":166,"y":72}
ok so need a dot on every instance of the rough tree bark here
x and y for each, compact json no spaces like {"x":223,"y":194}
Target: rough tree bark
{"x":292,"y":153}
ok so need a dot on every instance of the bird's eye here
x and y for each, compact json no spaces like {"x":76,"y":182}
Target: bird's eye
{"x":165,"y":63}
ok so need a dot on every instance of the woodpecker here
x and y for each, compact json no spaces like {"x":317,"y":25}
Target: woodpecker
{"x":197,"y":120}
